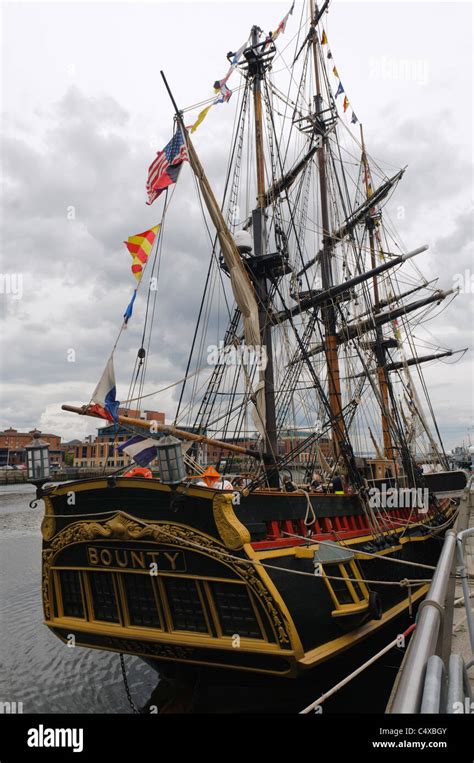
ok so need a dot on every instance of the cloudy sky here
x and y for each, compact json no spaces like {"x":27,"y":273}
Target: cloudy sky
{"x":84,"y":111}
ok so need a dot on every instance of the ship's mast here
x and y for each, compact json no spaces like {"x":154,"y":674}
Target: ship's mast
{"x":257,"y":101}
{"x":380,"y":353}
{"x":328,"y":311}
{"x":257,"y":69}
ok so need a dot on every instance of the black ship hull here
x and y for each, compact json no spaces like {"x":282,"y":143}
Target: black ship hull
{"x":186,"y":577}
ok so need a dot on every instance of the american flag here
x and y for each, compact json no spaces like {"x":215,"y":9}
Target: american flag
{"x":165,"y":169}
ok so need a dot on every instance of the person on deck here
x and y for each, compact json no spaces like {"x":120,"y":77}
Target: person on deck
{"x":337,"y":486}
{"x":316,"y":484}
{"x":212,"y":478}
{"x":224,"y":484}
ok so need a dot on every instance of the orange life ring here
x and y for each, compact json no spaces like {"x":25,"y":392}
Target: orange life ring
{"x":139,"y":471}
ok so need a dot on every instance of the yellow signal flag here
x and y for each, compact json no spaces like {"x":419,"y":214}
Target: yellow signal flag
{"x":201,"y":117}
{"x":140,"y":247}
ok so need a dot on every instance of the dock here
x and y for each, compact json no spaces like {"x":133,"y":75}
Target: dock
{"x":20,"y":476}
{"x":437,"y":673}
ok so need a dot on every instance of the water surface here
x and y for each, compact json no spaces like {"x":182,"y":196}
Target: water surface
{"x":36,"y":668}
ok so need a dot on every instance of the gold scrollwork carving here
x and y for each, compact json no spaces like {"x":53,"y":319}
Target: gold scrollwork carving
{"x":48,"y":527}
{"x":233,"y":533}
{"x":47,"y":560}
{"x":120,"y":526}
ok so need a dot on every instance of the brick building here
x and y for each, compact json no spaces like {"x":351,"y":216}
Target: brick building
{"x":13,"y":442}
{"x":291,"y":439}
{"x":211,"y":454}
{"x":288,"y":440}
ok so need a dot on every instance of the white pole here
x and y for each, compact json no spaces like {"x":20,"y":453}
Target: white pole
{"x":360,"y":669}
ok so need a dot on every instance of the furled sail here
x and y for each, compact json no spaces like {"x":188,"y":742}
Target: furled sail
{"x":242,"y":287}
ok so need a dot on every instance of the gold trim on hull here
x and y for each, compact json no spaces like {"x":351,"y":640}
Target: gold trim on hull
{"x":341,"y":644}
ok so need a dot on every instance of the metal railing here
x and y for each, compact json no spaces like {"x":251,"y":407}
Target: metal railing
{"x":463,"y":574}
{"x":423,"y":683}
{"x":423,"y":644}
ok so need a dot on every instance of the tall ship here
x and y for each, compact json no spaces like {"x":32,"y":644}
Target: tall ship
{"x":288,"y":518}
